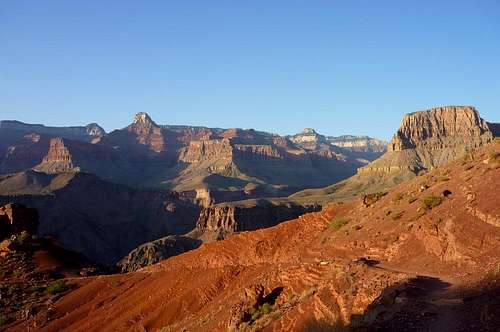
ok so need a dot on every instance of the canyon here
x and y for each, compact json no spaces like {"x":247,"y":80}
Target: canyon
{"x":423,"y":255}
{"x":215,"y":202}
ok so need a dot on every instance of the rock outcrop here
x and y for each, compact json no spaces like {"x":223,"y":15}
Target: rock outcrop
{"x":58,"y":159}
{"x":308,"y":139}
{"x":424,"y":141}
{"x":434,"y":137}
{"x":17,"y":218}
{"x":226,"y":219}
{"x":440,"y":128}
{"x":197,"y":151}
{"x":359,"y":143}
{"x":148,"y":132}
{"x":156,"y":251}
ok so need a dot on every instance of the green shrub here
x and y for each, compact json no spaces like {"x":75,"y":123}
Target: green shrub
{"x":57,"y":287}
{"x":411,"y":200}
{"x":398,"y":197}
{"x":398,"y":215}
{"x":494,"y":159}
{"x":4,"y":320}
{"x":338,"y":223}
{"x":23,"y":237}
{"x":430,"y":202}
{"x":262,"y":310}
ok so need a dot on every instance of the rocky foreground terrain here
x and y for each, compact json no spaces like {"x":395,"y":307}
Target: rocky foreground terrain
{"x":422,"y":256}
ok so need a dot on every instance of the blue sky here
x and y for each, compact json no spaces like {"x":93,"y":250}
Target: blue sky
{"x":338,"y":66}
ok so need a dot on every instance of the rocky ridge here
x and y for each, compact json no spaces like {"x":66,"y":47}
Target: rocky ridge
{"x":424,"y":141}
{"x":89,"y":133}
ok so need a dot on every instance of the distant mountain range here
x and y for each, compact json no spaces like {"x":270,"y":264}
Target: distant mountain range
{"x":212,"y":164}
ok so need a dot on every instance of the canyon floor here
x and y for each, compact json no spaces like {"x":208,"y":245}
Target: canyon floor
{"x":420,"y":257}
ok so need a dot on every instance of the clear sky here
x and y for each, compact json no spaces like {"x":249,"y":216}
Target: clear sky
{"x":341,"y":67}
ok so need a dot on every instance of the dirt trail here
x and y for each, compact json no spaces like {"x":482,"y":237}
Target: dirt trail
{"x":426,"y":303}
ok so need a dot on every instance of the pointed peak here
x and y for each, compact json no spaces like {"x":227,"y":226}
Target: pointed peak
{"x":143,"y":118}
{"x":309,"y":131}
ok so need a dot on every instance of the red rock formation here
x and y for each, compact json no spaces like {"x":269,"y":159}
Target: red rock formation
{"x":218,"y":149}
{"x":148,"y":132}
{"x":58,"y":158}
{"x":257,"y":151}
{"x":441,"y":127}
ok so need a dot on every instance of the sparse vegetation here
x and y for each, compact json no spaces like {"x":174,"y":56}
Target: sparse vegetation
{"x":4,"y":320}
{"x":262,"y":310}
{"x":494,"y":159}
{"x":398,"y":215}
{"x":469,"y":156}
{"x":432,"y":201}
{"x":57,"y":287}
{"x":411,"y":200}
{"x":338,"y":223}
{"x":398,"y":197}
{"x":357,"y":227}
{"x":23,"y":237}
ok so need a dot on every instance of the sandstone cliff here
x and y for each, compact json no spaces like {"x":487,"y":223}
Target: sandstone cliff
{"x":217,"y":149}
{"x":156,"y":251}
{"x":359,"y":143}
{"x":228,"y":218}
{"x":434,"y":137}
{"x":58,"y":159}
{"x":425,"y":140}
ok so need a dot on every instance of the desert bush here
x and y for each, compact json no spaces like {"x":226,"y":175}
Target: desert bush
{"x":337,"y":223}
{"x":4,"y":320}
{"x":494,"y":159}
{"x":262,"y":310}
{"x":23,"y":237}
{"x":398,"y":197}
{"x":411,"y":200}
{"x":57,"y":287}
{"x":432,"y":201}
{"x":357,"y":227}
{"x":398,"y":215}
